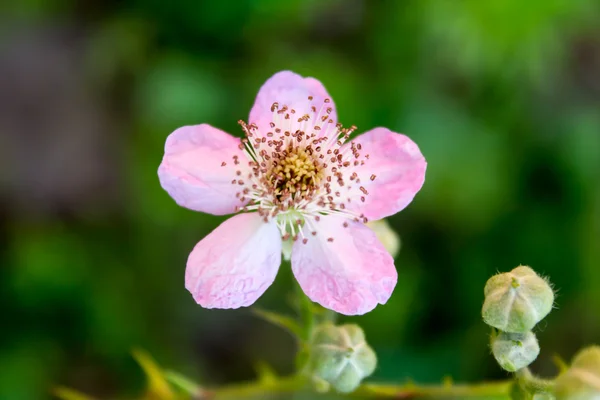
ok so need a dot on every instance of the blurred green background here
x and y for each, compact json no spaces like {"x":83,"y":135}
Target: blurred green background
{"x":502,"y":96}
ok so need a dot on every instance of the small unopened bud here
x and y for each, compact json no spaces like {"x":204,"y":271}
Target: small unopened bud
{"x":341,"y":357}
{"x":582,"y":380}
{"x":514,"y":351}
{"x":516,"y":301}
{"x":386,"y":235}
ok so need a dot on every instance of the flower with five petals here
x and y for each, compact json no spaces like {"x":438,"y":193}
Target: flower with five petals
{"x":297,"y":184}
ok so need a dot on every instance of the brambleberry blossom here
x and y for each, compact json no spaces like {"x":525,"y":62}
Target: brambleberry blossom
{"x":298,"y":185}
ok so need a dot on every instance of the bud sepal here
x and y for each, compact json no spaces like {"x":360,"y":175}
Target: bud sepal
{"x":516,"y":301}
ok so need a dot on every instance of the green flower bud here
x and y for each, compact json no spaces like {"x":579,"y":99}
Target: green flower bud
{"x":514,"y":351}
{"x":582,"y":380}
{"x":340,"y":356}
{"x":386,"y":235}
{"x":517,"y":300}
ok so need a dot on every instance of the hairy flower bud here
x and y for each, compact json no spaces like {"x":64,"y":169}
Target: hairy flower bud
{"x":582,"y":380}
{"x":516,"y":301}
{"x":341,"y":357}
{"x":514,"y":351}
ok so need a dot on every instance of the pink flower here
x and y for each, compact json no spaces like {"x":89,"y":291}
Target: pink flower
{"x":299,"y":183}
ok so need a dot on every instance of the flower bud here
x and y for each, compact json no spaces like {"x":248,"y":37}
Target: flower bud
{"x":516,"y":301}
{"x":514,"y":351}
{"x":340,"y":356}
{"x":582,"y":380}
{"x":386,"y":235}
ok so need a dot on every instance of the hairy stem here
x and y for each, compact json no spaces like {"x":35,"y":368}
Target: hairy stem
{"x":293,"y":384}
{"x":533,"y":383}
{"x":487,"y":390}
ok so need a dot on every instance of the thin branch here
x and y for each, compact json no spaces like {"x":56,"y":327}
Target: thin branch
{"x":491,"y":390}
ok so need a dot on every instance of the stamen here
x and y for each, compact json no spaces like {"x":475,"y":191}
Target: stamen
{"x":301,"y":171}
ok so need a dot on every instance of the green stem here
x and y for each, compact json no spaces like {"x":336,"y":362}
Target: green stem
{"x":533,"y":383}
{"x":293,"y":384}
{"x":258,"y":389}
{"x":305,"y":308}
{"x":488,"y":390}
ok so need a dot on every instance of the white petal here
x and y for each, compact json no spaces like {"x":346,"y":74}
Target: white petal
{"x":351,"y":274}
{"x":234,"y":265}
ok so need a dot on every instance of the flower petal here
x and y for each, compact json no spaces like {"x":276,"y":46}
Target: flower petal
{"x":291,"y":89}
{"x":192,"y":173}
{"x":235,"y":263}
{"x":399,"y":169}
{"x":351,"y":274}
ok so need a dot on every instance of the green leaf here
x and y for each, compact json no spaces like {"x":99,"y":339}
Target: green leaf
{"x":266,"y":374}
{"x":158,"y":387}
{"x":184,"y":383}
{"x":64,"y":393}
{"x":283,"y":321}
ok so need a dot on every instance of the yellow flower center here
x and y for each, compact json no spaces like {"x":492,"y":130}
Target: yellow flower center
{"x":300,"y":168}
{"x":295,"y":171}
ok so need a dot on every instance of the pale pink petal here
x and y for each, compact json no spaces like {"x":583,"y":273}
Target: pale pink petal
{"x":192,"y":172}
{"x":398,"y":168}
{"x":351,"y":274}
{"x":235,"y":263}
{"x":293,"y":90}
